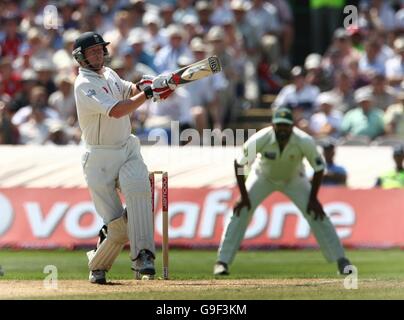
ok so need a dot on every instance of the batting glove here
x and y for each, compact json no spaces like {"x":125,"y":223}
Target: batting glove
{"x":146,"y":81}
{"x":157,"y":94}
{"x":166,"y":80}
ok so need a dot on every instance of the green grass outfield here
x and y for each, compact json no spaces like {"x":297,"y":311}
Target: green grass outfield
{"x":279,"y":274}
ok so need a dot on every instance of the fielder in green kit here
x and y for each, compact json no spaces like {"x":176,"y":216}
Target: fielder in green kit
{"x":278,"y":166}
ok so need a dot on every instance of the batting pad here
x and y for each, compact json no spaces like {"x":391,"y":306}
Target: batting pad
{"x":109,"y":249}
{"x":140,"y":224}
{"x":135,"y":185}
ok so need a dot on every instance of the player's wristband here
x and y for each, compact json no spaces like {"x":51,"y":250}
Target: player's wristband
{"x":148,"y":92}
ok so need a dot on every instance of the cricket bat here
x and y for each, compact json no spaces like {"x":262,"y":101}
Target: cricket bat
{"x":196,"y":71}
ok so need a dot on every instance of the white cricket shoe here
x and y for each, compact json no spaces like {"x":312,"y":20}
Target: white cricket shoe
{"x":144,"y":263}
{"x":221,"y":269}
{"x":97,"y":276}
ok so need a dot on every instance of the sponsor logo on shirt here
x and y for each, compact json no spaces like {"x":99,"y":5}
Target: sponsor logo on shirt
{"x":90,"y":93}
{"x":270,"y":155}
{"x":116,"y":85}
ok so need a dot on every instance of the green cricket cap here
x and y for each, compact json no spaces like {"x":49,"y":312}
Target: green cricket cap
{"x":282,"y":115}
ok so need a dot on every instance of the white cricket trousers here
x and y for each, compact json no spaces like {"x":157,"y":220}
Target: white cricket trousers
{"x":108,"y":167}
{"x":298,"y":190}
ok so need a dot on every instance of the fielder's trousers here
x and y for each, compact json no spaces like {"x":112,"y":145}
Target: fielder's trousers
{"x":298,"y":190}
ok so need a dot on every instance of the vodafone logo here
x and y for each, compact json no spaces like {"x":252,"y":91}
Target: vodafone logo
{"x":67,"y":217}
{"x":6,"y":215}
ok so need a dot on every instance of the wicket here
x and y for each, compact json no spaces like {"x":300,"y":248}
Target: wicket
{"x":164,"y":208}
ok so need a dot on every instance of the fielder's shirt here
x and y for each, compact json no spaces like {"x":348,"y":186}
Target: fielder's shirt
{"x":95,"y":96}
{"x":276,"y":166}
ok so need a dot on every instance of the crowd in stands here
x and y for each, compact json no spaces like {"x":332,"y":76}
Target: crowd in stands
{"x":351,"y":90}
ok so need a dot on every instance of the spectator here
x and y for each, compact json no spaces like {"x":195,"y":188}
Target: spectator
{"x":37,"y":47}
{"x":263,"y":16}
{"x":285,"y":16}
{"x":57,"y":134}
{"x":316,"y":75}
{"x":28,"y":81}
{"x":394,"y":117}
{"x":204,"y":10}
{"x":342,"y":42}
{"x":62,"y":100}
{"x":94,"y":19}
{"x":372,"y":61}
{"x":176,"y":109}
{"x":358,"y":79}
{"x":334,"y":175}
{"x":136,"y":41}
{"x":66,"y":9}
{"x":243,"y":25}
{"x":221,"y":12}
{"x":229,"y":100}
{"x":166,"y":10}
{"x":118,"y":64}
{"x":269,"y":78}
{"x":202,"y":94}
{"x":118,"y":36}
{"x":332,"y":62}
{"x":12,"y":39}
{"x":327,"y":121}
{"x":383,"y":95}
{"x":234,"y":43}
{"x":365,"y":120}
{"x":62,"y":58}
{"x":28,"y":19}
{"x":154,"y":39}
{"x":137,"y":10}
{"x":299,"y":94}
{"x":380,"y":14}
{"x":395,"y":65}
{"x":8,"y":131}
{"x":130,"y":68}
{"x":109,"y":9}
{"x":167,"y":57}
{"x":394,"y":178}
{"x":38,"y":100}
{"x":343,"y":92}
{"x":23,"y":61}
{"x":205,"y":93}
{"x":45,"y":70}
{"x":35,"y":130}
{"x":10,"y":82}
{"x":399,"y":19}
{"x":192,"y":28}
{"x":184,"y":8}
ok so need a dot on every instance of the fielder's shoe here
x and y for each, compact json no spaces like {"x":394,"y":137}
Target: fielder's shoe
{"x":343,"y":266}
{"x":221,"y":269}
{"x":144,"y":263}
{"x":97,"y":276}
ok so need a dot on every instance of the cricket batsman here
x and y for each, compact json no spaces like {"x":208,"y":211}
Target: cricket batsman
{"x":280,"y":150}
{"x":112,"y":158}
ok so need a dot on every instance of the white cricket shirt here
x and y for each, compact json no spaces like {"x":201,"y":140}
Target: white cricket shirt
{"x":95,"y":96}
{"x":281,"y":166}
